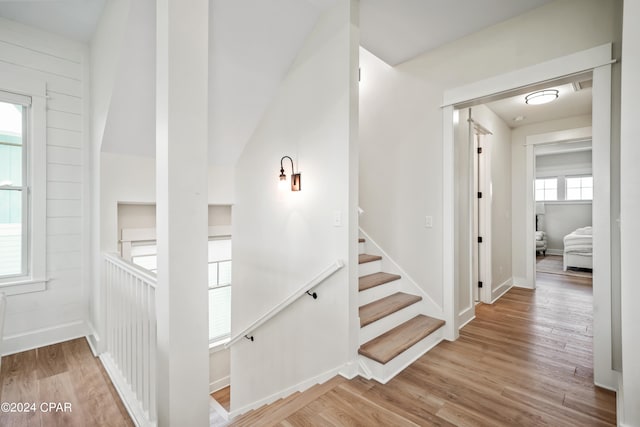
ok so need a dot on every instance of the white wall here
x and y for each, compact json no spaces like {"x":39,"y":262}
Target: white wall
{"x":561,"y":219}
{"x":106,"y":52}
{"x":131,"y":179}
{"x":60,"y":312}
{"x":219,"y":369}
{"x":131,"y":112}
{"x":630,"y":212}
{"x":136,"y":216}
{"x":401,"y":123}
{"x":124,"y":179}
{"x":498,"y":146}
{"x":518,"y":176}
{"x":283,"y":239}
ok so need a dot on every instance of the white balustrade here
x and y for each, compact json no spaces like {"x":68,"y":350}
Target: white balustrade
{"x":131,"y":339}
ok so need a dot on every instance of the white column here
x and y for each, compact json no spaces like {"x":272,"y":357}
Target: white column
{"x":629,"y":214}
{"x":181,"y":191}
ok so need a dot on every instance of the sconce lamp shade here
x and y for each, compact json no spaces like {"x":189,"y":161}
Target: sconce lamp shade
{"x":296,"y":178}
{"x":296,"y":182}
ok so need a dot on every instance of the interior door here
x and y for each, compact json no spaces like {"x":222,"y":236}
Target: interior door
{"x":476,"y":269}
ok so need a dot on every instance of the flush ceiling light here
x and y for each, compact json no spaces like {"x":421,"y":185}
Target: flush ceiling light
{"x":296,"y":178}
{"x":541,"y":97}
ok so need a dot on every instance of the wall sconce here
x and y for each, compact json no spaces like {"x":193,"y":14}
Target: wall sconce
{"x":296,"y":178}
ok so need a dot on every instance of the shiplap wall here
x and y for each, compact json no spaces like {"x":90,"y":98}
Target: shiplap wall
{"x":60,"y":312}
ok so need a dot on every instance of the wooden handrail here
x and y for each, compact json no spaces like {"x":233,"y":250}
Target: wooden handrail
{"x":302,"y":290}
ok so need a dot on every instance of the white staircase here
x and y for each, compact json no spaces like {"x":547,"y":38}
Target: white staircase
{"x":398,"y":321}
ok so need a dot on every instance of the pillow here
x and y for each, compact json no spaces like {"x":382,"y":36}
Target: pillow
{"x":584,"y":231}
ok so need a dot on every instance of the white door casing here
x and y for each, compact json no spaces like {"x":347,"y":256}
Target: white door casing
{"x":598,"y":61}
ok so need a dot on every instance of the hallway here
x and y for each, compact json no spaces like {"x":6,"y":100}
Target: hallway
{"x":526,"y":360}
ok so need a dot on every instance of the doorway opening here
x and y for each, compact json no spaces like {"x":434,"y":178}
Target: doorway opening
{"x":594,"y":62}
{"x":563,"y":209}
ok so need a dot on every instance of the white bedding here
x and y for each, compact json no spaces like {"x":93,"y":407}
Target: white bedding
{"x":578,"y":248}
{"x":578,"y":240}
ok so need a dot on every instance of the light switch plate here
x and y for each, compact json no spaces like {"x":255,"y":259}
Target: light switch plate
{"x":428,"y":221}
{"x":337,"y":218}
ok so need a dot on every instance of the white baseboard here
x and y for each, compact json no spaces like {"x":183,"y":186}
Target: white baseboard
{"x":501,"y":290}
{"x":555,"y":252}
{"x":93,"y":339}
{"x":466,"y":322}
{"x":620,"y":402}
{"x":350,"y":370}
{"x":302,"y":386}
{"x":522,"y":282}
{"x":127,"y":397}
{"x":218,"y":384}
{"x":42,"y":337}
{"x":466,"y":316}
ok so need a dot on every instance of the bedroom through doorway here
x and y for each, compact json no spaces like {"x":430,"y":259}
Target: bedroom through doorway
{"x":563,"y":209}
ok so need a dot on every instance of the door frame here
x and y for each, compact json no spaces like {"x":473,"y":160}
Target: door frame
{"x":570,"y":135}
{"x":597,"y":60}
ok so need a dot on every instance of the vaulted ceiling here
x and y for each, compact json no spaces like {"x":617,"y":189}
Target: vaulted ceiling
{"x":253,"y":43}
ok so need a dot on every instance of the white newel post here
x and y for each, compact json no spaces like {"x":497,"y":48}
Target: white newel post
{"x":181,"y":191}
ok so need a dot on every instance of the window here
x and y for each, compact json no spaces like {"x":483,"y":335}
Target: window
{"x":23,"y":184}
{"x":219,"y":289}
{"x":579,"y":188}
{"x":144,"y":254}
{"x":546,"y":189}
{"x":14,"y":255}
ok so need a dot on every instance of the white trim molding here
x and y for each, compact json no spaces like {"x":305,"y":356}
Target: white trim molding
{"x":36,"y":146}
{"x":17,"y":343}
{"x":553,"y":69}
{"x":597,"y":61}
{"x":504,"y":287}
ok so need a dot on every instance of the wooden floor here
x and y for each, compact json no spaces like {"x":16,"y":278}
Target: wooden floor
{"x":554,"y":264}
{"x":65,"y":373}
{"x":223,"y":397}
{"x":524,"y":361}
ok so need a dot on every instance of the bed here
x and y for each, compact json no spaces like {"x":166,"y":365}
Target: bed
{"x":578,"y":249}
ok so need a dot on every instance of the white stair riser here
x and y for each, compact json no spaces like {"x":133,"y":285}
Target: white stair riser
{"x":369,"y":268}
{"x":379,"y":292}
{"x":389,"y":322}
{"x":383,"y":373}
{"x":361,"y":249}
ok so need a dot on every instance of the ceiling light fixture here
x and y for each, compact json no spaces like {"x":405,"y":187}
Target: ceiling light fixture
{"x":541,"y":97}
{"x":296,"y":178}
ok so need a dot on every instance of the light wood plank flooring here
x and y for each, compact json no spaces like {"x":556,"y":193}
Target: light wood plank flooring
{"x":524,"y":361}
{"x":60,"y":373}
{"x":223,"y":397}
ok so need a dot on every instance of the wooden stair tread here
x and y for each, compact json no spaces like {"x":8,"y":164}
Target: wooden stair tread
{"x":384,"y":348}
{"x":376,"y":279}
{"x":362,"y":258}
{"x":360,"y":240}
{"x":376,"y":310}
